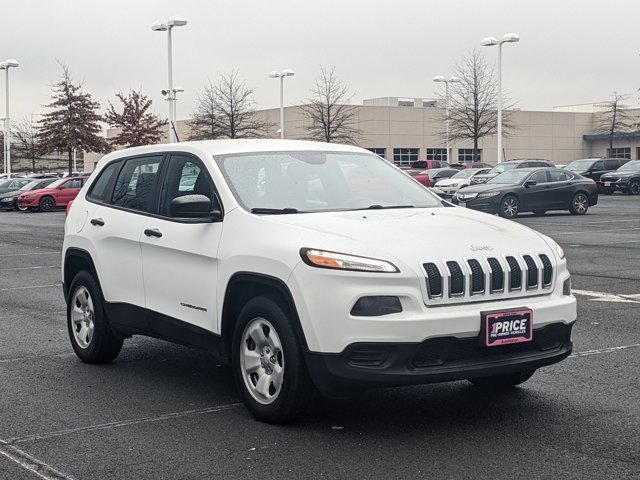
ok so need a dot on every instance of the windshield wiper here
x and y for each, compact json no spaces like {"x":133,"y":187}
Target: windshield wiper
{"x":382,"y":207}
{"x":274,"y":211}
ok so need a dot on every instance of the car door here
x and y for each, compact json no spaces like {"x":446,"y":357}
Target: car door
{"x":180,"y":256}
{"x":534,"y":196}
{"x":559,"y":189}
{"x":118,"y":204}
{"x":596,"y":170}
{"x":67,"y":191}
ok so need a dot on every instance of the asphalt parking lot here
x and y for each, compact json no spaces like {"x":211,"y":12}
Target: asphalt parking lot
{"x":164,"y":412}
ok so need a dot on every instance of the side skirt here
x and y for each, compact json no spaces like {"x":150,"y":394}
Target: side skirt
{"x":126,"y":320}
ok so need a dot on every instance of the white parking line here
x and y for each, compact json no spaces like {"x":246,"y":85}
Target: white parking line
{"x":28,"y":268}
{"x":608,"y":297}
{"x":124,"y":423}
{"x":30,"y":287}
{"x":29,"y":462}
{"x":54,"y":252}
{"x":619,"y":230}
{"x":598,"y":351}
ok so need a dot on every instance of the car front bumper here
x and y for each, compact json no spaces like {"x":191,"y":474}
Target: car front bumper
{"x":8,"y":203}
{"x":621,"y":185}
{"x":487,"y":205}
{"x":27,"y":202}
{"x":441,"y":359}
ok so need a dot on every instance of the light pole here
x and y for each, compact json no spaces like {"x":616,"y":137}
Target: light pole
{"x":281,"y":75}
{"x":170,"y":92}
{"x":446,"y":82}
{"x":490,"y":42}
{"x":6,"y":65}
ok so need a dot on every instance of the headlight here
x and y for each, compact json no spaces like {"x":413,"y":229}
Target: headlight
{"x":560,"y":251}
{"x":342,"y":261}
{"x":31,"y":196}
{"x":488,"y":194}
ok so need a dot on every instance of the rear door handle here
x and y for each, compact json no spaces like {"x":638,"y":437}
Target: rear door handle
{"x":98,"y":222}
{"x":153,"y":232}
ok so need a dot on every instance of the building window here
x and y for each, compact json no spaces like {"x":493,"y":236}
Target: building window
{"x":624,"y":152}
{"x":466,"y":155}
{"x":638,"y":153}
{"x":437,"y":154}
{"x":382,"y":152}
{"x":406,"y":102}
{"x":403,"y":157}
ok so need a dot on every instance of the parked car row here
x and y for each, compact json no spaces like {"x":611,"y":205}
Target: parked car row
{"x":28,"y":194}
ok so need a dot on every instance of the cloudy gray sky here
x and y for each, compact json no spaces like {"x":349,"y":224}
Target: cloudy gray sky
{"x":571,"y":51}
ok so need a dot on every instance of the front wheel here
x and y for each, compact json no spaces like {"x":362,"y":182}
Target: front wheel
{"x":634,"y":187}
{"x":46,"y":204}
{"x":22,"y":209}
{"x":503,"y":381}
{"x":89,"y":331}
{"x":268,"y":363}
{"x":509,"y":207}
{"x":579,"y":204}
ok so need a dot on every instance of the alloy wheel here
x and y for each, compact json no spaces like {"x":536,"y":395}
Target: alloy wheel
{"x":580,"y":203}
{"x":634,"y":188}
{"x":47,"y":204}
{"x":510,"y":207}
{"x":82,"y":317}
{"x":262,"y":361}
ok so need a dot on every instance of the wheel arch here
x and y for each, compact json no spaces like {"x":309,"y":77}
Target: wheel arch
{"x":242,"y":287}
{"x":76,"y":260}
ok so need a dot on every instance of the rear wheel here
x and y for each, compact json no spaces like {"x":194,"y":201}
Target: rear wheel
{"x":579,"y":204}
{"x":46,"y":204}
{"x":509,"y":207}
{"x":268,"y":363}
{"x":503,"y":381}
{"x":89,"y":331}
{"x":634,"y":187}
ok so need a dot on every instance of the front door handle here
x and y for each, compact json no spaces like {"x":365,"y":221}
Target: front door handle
{"x":98,"y":222}
{"x":153,"y":232}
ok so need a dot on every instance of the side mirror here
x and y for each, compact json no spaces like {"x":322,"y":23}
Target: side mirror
{"x":530,"y":183}
{"x":193,"y":207}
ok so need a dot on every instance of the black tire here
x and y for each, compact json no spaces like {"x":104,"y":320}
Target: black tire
{"x":22,"y":209}
{"x":46,"y":204}
{"x":579,"y":204}
{"x":296,"y":390}
{"x":509,"y":207}
{"x":634,"y":187}
{"x":104,"y":346}
{"x":508,"y":380}
{"x":539,"y":212}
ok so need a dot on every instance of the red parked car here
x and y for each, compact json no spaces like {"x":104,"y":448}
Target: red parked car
{"x":419,"y":176}
{"x":56,"y":195}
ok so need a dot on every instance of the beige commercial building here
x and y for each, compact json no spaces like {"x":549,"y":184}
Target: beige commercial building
{"x":403,"y":130}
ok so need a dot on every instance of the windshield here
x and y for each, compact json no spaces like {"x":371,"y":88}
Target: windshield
{"x":56,"y":183}
{"x":503,"y":167}
{"x":579,"y":165}
{"x":630,"y":167}
{"x":465,"y":173}
{"x":512,"y":177}
{"x":30,"y":185}
{"x":314,"y":181}
{"x":6,"y":183}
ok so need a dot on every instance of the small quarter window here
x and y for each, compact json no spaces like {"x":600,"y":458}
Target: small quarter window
{"x":101,"y":188}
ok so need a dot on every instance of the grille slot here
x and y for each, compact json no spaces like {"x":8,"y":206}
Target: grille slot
{"x":515,"y":274}
{"x":497,"y":275}
{"x":547,"y":270}
{"x":477,"y":276}
{"x":434,"y":280}
{"x":532,"y":271}
{"x":456,"y":284}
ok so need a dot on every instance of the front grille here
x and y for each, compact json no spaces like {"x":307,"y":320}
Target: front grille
{"x":450,"y":350}
{"x":456,"y":283}
{"x":488,"y":277}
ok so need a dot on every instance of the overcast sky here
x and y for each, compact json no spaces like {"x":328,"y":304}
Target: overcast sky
{"x":571,"y":51}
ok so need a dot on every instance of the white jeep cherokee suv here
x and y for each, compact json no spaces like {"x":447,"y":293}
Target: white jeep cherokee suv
{"x":308,"y":267}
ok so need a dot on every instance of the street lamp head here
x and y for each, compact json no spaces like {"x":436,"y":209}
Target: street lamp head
{"x":510,"y":38}
{"x":489,"y":41}
{"x":274,"y":74}
{"x":439,"y":78}
{"x":11,"y":62}
{"x":176,"y":21}
{"x":159,"y":26}
{"x":287,"y":72}
{"x":178,"y":89}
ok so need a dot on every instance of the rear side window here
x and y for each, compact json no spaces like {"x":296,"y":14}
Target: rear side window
{"x":611,"y":164}
{"x":135,"y":182}
{"x":556,"y":176}
{"x":75,"y":183}
{"x":101,"y":189}
{"x":599,"y":165}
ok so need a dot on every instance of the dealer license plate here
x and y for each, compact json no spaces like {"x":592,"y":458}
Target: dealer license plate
{"x":507,"y":326}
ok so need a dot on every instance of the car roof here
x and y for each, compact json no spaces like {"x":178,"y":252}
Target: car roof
{"x":520,"y":160}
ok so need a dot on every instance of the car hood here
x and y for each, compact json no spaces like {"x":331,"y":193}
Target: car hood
{"x":412,"y":236}
{"x":448,"y":182}
{"x":7,"y":190}
{"x":11,"y":193}
{"x":40,"y":191}
{"x":618,"y":175}
{"x":485,"y":176}
{"x":484,"y":187}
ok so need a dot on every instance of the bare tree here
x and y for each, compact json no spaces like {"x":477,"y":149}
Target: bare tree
{"x":137,"y":125}
{"x":473,"y":103}
{"x":613,"y":118}
{"x":330,"y":117}
{"x":226,"y":109}
{"x":72,"y":121}
{"x":25,"y":134}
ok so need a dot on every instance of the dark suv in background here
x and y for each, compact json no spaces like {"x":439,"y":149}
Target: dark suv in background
{"x":594,"y":168}
{"x":508,"y":165}
{"x":625,"y":179}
